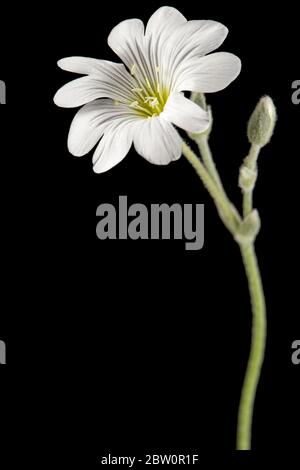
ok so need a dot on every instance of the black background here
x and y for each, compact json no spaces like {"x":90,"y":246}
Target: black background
{"x":133,"y":346}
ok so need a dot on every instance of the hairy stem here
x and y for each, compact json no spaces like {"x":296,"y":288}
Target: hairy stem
{"x":227,"y":212}
{"x":204,"y":149}
{"x":258,"y":342}
{"x":250,"y":162}
{"x":232,"y":221}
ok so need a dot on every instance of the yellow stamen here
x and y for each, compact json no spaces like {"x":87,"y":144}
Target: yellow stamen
{"x":149,"y":95}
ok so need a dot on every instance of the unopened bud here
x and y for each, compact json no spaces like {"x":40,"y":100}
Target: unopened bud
{"x":199,"y":99}
{"x":262,"y":122}
{"x":249,"y":228}
{"x":247,"y":178}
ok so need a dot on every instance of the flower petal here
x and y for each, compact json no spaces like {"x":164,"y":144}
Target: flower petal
{"x":112,"y":81}
{"x":78,"y":92}
{"x":157,"y":141}
{"x":91,"y":121}
{"x":211,"y":73}
{"x":124,"y":38}
{"x":113,"y":147}
{"x":163,"y":22}
{"x":197,"y":38}
{"x":159,"y":28}
{"x":84,"y":65}
{"x":188,"y":43}
{"x":185,"y":114}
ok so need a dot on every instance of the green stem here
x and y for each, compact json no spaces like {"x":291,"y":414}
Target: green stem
{"x":225,"y":208}
{"x":247,"y":202}
{"x":251,"y":163}
{"x":204,"y":149}
{"x":232,"y":221}
{"x":202,"y":140}
{"x":257,"y":351}
{"x":251,"y":160}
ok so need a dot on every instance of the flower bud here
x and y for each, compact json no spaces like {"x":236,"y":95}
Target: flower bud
{"x":248,"y":229}
{"x":199,"y":99}
{"x":247,"y":178}
{"x":262,"y":122}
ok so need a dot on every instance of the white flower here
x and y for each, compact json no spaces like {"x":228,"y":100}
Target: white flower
{"x":140,"y":101}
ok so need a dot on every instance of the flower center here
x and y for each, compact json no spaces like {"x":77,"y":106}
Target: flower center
{"x":150,"y":95}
